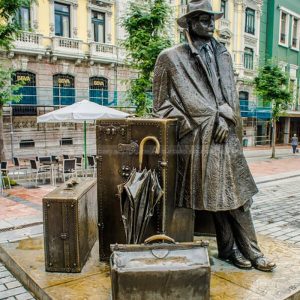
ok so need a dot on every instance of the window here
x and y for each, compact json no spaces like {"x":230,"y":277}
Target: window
{"x":184,"y":2}
{"x":66,"y":141}
{"x":23,"y":18}
{"x":248,"y":58}
{"x":295,"y":38}
{"x":27,"y":143}
{"x":62,"y":19}
{"x":283,"y":28}
{"x":250,"y":21}
{"x":63,"y":89}
{"x":223,"y":8}
{"x":99,"y":90}
{"x":244,"y":103}
{"x":182,"y":38}
{"x":98,"y":25}
{"x":28,"y":91}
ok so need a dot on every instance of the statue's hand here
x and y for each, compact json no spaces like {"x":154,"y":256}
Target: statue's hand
{"x":222,"y":130}
{"x":226,"y":112}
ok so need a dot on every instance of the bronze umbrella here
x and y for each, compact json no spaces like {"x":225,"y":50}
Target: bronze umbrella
{"x":138,"y":198}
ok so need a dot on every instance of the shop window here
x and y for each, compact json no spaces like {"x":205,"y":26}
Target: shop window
{"x":63,"y":89}
{"x":23,"y":18}
{"x":250,"y":21}
{"x":62,"y":19}
{"x":27,"y":144}
{"x":99,"y":90}
{"x":244,"y":103}
{"x":28,"y":92}
{"x":98,"y":25}
{"x":248,"y":58}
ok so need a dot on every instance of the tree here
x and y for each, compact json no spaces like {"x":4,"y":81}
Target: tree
{"x":8,"y":30}
{"x":145,"y":24}
{"x":272,"y":86}
{"x":8,"y":27}
{"x":7,"y":94}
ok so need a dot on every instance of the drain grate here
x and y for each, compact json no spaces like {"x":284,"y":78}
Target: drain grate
{"x":20,"y":227}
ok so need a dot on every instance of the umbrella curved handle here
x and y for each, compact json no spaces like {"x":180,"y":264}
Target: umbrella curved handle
{"x":142,"y":144}
{"x":159,"y":237}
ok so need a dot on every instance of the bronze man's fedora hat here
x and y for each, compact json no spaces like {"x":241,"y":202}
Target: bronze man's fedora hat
{"x":196,"y":7}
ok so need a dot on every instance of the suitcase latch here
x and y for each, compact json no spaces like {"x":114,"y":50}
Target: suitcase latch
{"x":64,"y":236}
{"x":131,"y":149}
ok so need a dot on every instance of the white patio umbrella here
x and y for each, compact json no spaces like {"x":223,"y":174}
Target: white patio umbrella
{"x":82,"y":112}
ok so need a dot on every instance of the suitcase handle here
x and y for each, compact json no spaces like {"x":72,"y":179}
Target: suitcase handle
{"x":142,"y":144}
{"x":159,"y":237}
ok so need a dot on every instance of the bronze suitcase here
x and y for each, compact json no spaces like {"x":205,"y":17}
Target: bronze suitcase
{"x":160,"y":271}
{"x":70,"y":225}
{"x":118,"y":143}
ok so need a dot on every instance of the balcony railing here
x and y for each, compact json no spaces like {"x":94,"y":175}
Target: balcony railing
{"x":224,"y":24}
{"x":103,"y":51}
{"x":29,"y":40}
{"x":182,"y":10}
{"x":67,"y":45}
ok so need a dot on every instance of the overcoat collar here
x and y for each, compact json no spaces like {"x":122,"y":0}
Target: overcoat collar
{"x":219,"y":51}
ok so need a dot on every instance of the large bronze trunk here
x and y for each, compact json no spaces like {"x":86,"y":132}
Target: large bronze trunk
{"x":70,"y":225}
{"x":160,"y":271}
{"x":118,"y":144}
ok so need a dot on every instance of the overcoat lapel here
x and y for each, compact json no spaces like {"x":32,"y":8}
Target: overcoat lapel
{"x":224,"y":67}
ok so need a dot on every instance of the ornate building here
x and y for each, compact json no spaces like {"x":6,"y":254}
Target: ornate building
{"x":68,"y":50}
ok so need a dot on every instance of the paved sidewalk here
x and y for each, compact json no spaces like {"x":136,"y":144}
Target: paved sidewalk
{"x":276,"y":209}
{"x":10,"y":287}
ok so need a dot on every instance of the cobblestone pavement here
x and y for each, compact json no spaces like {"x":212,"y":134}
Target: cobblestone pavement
{"x":10,"y":287}
{"x":276,"y":210}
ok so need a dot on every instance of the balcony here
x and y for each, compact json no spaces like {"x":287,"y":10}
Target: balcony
{"x":103,"y":52}
{"x":182,"y":10}
{"x":29,"y":42}
{"x":224,"y":24}
{"x":67,"y":47}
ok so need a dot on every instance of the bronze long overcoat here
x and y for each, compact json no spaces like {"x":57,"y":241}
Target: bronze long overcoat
{"x":210,"y":176}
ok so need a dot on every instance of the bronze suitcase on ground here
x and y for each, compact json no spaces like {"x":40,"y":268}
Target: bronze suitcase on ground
{"x":70,"y":225}
{"x":160,"y":271}
{"x":118,"y":143}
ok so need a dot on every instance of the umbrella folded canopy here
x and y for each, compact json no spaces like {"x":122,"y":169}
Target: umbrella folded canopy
{"x":81,"y":111}
{"x":138,"y":198}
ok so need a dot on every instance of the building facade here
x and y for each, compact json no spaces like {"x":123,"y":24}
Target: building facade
{"x":280,"y":41}
{"x":69,"y":50}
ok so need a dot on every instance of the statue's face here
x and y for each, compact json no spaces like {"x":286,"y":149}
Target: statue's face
{"x":203,"y":25}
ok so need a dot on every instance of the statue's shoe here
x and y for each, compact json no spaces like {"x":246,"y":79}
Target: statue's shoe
{"x":237,"y":259}
{"x":263,"y":264}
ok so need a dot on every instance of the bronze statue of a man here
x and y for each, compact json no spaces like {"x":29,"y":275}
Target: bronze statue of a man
{"x":194,"y":82}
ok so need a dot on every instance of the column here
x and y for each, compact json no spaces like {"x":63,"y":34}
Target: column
{"x":51,"y":18}
{"x":287,"y":128}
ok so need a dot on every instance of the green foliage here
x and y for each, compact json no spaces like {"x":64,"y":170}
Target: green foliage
{"x":8,"y":27}
{"x":6,"y":90}
{"x":272,"y":86}
{"x":145,"y":24}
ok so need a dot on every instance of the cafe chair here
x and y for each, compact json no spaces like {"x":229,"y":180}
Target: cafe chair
{"x":69,"y":168}
{"x":39,"y":170}
{"x":19,"y":168}
{"x":92,"y":165}
{"x":5,"y":180}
